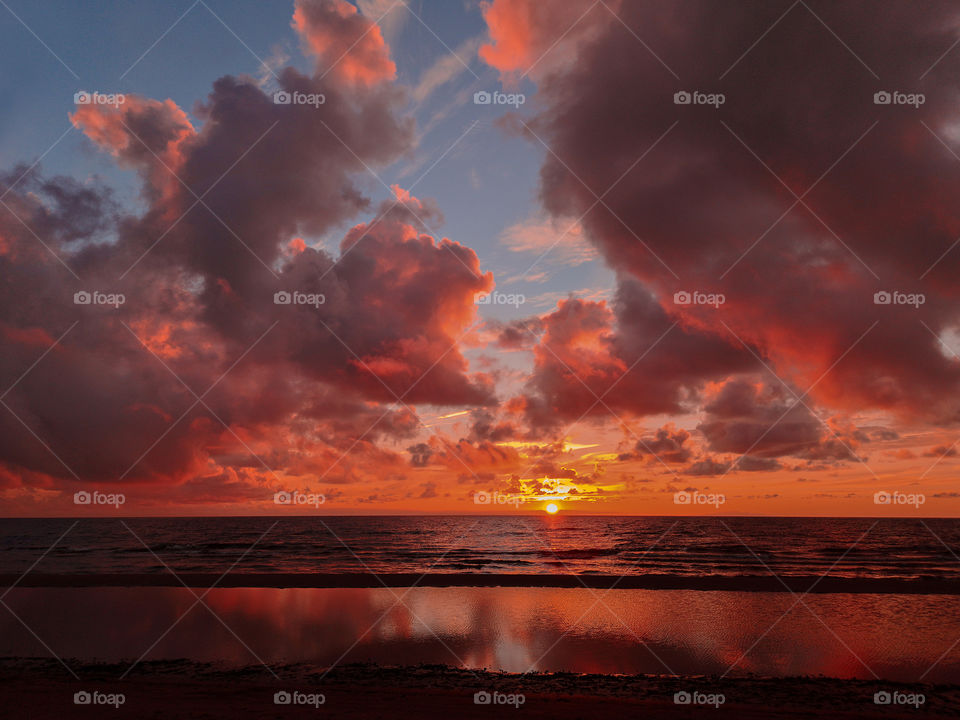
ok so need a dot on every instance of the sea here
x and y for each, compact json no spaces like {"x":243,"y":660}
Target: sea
{"x":889,"y":636}
{"x":893,"y":548}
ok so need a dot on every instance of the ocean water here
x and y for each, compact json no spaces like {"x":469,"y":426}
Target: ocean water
{"x":904,"y":549}
{"x":906,"y":638}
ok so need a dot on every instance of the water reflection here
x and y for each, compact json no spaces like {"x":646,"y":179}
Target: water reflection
{"x":513,"y":629}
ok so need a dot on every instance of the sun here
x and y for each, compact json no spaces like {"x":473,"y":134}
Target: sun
{"x":552,"y":508}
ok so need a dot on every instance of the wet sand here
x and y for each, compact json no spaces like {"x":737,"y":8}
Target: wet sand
{"x":740,"y":583}
{"x":34,"y":688}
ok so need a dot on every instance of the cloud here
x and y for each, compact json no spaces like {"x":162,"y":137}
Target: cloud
{"x":347,"y":44}
{"x":147,"y":135}
{"x":484,"y":426}
{"x":290,"y":393}
{"x":668,"y":445}
{"x":707,"y":467}
{"x":631,"y":356}
{"x":528,"y":35}
{"x":429,"y":490}
{"x":559,"y":240}
{"x":766,"y":421}
{"x":516,"y":334}
{"x":686,"y":206}
{"x":390,"y":15}
{"x":420,"y":454}
{"x":474,"y":457}
{"x":749,"y":463}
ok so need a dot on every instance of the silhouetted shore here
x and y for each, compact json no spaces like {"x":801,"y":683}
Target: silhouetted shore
{"x":40,"y":688}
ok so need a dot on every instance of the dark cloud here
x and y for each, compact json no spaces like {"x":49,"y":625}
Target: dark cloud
{"x":484,"y":426}
{"x":698,"y":211}
{"x":766,"y":421}
{"x":420,"y":454}
{"x":706,"y":467}
{"x":749,"y":463}
{"x":668,"y":444}
{"x":520,"y":334}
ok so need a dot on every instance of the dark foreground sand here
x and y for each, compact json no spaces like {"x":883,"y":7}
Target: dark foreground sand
{"x":33,"y":688}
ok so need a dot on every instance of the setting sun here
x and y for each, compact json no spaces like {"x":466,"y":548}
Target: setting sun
{"x":733,"y":398}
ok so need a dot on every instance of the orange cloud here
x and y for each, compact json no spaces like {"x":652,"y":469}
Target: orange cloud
{"x":347,"y":45}
{"x":149,"y":135}
{"x":525,"y":34}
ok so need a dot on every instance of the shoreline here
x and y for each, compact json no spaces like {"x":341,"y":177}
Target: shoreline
{"x":742,"y":583}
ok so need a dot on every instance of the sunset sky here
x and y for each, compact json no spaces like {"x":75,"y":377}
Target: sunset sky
{"x":752,"y":295}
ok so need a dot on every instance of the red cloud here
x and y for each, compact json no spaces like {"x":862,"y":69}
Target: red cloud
{"x":527,"y":35}
{"x":147,"y":135}
{"x":301,"y":389}
{"x":593,"y":359}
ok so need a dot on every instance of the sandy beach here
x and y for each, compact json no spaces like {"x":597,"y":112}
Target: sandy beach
{"x":179,"y":689}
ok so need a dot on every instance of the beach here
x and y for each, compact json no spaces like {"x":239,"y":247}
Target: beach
{"x":187,"y":690}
